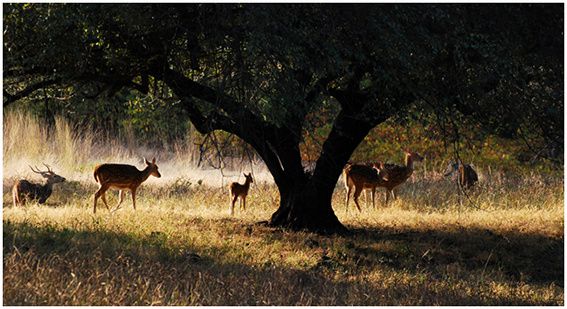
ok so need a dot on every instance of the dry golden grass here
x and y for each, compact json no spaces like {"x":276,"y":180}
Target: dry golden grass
{"x":503,"y":246}
{"x":182,"y":248}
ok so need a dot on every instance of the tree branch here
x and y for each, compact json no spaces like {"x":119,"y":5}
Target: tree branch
{"x":115,"y":81}
{"x":350,"y":101}
{"x":232,"y":116}
{"x":11,"y":98}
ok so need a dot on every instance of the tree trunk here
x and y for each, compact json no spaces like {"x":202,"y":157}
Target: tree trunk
{"x":304,"y":206}
{"x":306,"y":202}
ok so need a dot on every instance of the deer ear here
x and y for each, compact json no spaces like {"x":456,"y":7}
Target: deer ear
{"x":146,"y":161}
{"x":154,"y":160}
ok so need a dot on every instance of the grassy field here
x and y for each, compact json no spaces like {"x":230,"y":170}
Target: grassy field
{"x":180,"y":247}
{"x":432,"y":246}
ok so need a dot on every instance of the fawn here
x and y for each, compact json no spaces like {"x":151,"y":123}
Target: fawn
{"x":395,"y":175}
{"x":24,"y":189}
{"x":361,"y":177}
{"x":467,"y":176}
{"x":122,"y":177}
{"x":237,"y":190}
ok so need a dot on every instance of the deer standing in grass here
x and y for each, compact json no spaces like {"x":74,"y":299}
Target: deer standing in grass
{"x":361,"y":177}
{"x":467,"y":176}
{"x":122,"y":177}
{"x":237,"y":190}
{"x":395,"y":175}
{"x":24,"y":189}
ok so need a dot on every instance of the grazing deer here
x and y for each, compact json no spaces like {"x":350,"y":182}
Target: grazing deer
{"x":24,"y":189}
{"x":467,"y":176}
{"x":237,"y":190}
{"x":122,"y":177}
{"x":361,"y":177}
{"x":395,"y":175}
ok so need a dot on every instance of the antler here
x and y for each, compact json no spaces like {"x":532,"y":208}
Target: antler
{"x":37,"y":170}
{"x":48,"y":168}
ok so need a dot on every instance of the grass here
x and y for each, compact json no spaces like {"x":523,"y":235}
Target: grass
{"x":432,"y":246}
{"x":184,"y":249}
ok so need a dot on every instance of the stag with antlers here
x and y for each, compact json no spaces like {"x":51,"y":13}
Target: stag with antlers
{"x":24,"y":190}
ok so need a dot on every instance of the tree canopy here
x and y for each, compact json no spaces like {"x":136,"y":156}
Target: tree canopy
{"x":257,"y":71}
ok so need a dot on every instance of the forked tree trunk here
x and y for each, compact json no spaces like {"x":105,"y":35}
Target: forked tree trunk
{"x":306,"y":202}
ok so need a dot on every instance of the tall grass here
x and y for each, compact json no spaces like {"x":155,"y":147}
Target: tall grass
{"x":75,"y":151}
{"x":69,"y":150}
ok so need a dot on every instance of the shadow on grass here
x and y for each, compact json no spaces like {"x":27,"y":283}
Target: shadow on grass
{"x":529,"y":258}
{"x":142,"y":270}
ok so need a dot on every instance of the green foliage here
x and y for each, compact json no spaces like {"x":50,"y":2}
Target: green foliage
{"x":156,"y":121}
{"x":466,"y":71}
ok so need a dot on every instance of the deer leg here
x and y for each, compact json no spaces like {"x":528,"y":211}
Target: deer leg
{"x":357,"y":192}
{"x":347,"y":197}
{"x":232,"y":205}
{"x":103,"y":198}
{"x":373,"y":193}
{"x":15,"y":198}
{"x":98,"y":193}
{"x":120,"y":199}
{"x":133,"y":190}
{"x":243,"y":200}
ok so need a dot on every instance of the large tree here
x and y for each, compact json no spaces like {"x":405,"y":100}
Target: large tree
{"x":257,"y":71}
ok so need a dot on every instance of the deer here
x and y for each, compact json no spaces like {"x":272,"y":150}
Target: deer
{"x":395,"y":175}
{"x":24,"y":189}
{"x":361,"y":177}
{"x":237,"y":190}
{"x":467,"y":176}
{"x":122,"y":177}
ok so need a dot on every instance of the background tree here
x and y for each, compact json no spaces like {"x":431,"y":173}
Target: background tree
{"x":258,"y":71}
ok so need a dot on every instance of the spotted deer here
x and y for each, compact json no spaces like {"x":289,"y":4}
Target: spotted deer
{"x":361,"y":177}
{"x":237,"y":190}
{"x":466,"y":175}
{"x":395,"y":175}
{"x":122,"y":177}
{"x":24,"y":190}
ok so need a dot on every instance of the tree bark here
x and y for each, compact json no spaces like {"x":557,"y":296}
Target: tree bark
{"x":306,"y":203}
{"x":304,"y":206}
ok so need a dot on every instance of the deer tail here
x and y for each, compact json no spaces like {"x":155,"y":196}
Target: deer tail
{"x":95,"y":174}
